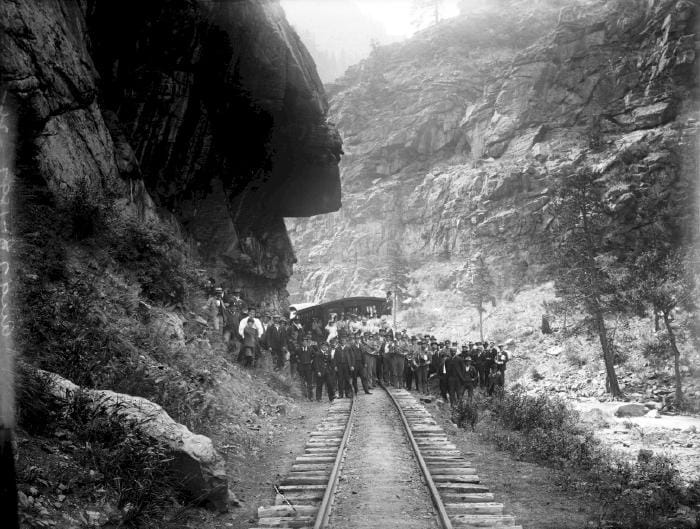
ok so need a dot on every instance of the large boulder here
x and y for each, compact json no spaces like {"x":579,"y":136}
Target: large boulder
{"x":200,"y":468}
{"x":595,"y":418}
{"x":631,"y":410}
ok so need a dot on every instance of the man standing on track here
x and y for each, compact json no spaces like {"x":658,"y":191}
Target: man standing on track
{"x":382,"y":361}
{"x":343,"y":358}
{"x":357,"y":366}
{"x":324,"y":370}
{"x":442,"y":373}
{"x":305,"y":355}
{"x":368,"y":355}
{"x":408,"y":364}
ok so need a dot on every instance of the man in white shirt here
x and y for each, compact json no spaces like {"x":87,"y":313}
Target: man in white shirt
{"x":256,"y":321}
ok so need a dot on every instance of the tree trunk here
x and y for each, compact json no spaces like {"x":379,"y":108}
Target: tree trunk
{"x":612,"y":385}
{"x":565,"y":312}
{"x":481,"y":326}
{"x":656,"y":320}
{"x":676,"y":358}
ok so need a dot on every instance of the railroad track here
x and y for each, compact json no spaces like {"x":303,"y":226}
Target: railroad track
{"x":457,"y":493}
{"x":305,"y":498}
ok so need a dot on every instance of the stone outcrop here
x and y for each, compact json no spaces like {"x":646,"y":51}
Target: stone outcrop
{"x":208,"y":113}
{"x":200,"y":470}
{"x":631,"y":410}
{"x":455,"y":138}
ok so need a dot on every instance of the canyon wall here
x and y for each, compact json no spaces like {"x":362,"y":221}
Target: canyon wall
{"x":455,"y":137}
{"x":205,"y":114}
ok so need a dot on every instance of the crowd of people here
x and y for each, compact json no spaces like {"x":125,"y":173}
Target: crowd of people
{"x":331,"y":358}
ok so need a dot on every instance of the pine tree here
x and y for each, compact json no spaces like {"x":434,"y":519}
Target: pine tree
{"x":478,"y":286}
{"x":663,"y":280}
{"x":426,"y":9}
{"x":585,"y":274}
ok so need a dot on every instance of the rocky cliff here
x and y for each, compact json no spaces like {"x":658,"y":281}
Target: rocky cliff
{"x":454,"y":138}
{"x":206,"y":114}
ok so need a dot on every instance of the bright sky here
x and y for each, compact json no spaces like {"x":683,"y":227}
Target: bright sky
{"x":395,"y":15}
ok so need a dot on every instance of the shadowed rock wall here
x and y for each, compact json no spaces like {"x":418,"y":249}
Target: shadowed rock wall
{"x":208,"y":112}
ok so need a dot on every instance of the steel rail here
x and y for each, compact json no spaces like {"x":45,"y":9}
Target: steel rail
{"x":324,"y":510}
{"x":434,"y":494}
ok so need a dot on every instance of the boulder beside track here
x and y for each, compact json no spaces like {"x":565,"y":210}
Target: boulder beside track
{"x":200,"y":469}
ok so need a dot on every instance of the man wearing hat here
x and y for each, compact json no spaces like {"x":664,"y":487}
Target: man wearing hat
{"x":410,"y":364}
{"x":317,"y":330}
{"x":215,"y":307}
{"x":480,"y":364}
{"x":456,"y":375}
{"x":357,"y":365}
{"x":472,"y":377}
{"x":501,"y":360}
{"x":258,"y":325}
{"x":421,"y":371}
{"x":495,"y":383}
{"x":434,"y":356}
{"x":324,"y":371}
{"x":343,"y":359}
{"x":294,"y":343}
{"x":382,"y":351}
{"x":368,"y":356}
{"x":396,"y":354}
{"x":443,"y":356}
{"x":306,"y":354}
{"x":275,"y":339}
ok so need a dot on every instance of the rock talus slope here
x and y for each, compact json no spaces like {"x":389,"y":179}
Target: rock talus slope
{"x":454,"y":138}
{"x":207,"y":113}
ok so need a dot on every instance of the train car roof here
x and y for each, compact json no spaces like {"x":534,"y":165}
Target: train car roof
{"x":342,"y":303}
{"x":301,"y":306}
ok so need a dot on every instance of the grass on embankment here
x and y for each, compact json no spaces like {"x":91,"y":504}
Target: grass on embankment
{"x":646,"y":494}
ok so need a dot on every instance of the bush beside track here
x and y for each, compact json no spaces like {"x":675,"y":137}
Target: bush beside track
{"x":644,"y":494}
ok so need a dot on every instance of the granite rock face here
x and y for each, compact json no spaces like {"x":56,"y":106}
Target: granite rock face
{"x":454,"y":138}
{"x":212,"y":111}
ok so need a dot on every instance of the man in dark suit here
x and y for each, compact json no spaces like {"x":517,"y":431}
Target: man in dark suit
{"x":305,"y":356}
{"x":275,"y":339}
{"x":324,"y":372}
{"x":343,"y":359}
{"x":357,"y":365}
{"x":456,"y":376}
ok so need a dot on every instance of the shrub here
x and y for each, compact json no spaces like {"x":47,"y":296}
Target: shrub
{"x":518,"y":411}
{"x":636,"y":495}
{"x":36,"y":409}
{"x":137,"y":467}
{"x":657,"y":351}
{"x":155,"y":256}
{"x":85,"y":209}
{"x":575,"y":355}
{"x":536,"y":375}
{"x":466,"y":412}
